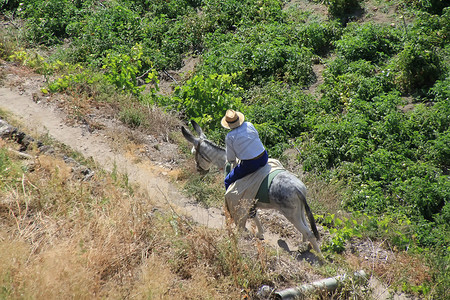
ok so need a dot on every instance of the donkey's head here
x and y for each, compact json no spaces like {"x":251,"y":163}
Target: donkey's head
{"x":206,"y":152}
{"x":203,"y":163}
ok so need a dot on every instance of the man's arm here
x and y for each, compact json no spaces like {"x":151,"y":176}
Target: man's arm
{"x":231,"y":155}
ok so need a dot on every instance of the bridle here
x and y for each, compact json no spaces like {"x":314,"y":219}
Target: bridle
{"x":199,"y":155}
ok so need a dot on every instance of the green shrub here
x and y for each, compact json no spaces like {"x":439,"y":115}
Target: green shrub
{"x":34,"y":61}
{"x":228,"y":15}
{"x":428,"y":127}
{"x":290,"y":109}
{"x":122,"y":70}
{"x":388,"y":158}
{"x":318,"y":36}
{"x":340,"y":8}
{"x":281,"y":113}
{"x":8,"y":43}
{"x":133,"y":117}
{"x":440,"y":92}
{"x":9,"y":5}
{"x":325,"y":150}
{"x":47,"y":21}
{"x":417,"y":67}
{"x":205,"y":99}
{"x":8,"y":169}
{"x":261,"y":54}
{"x":430,"y":6}
{"x":175,"y":41}
{"x":431,"y":31}
{"x":346,"y":81}
{"x":423,"y":189}
{"x":170,"y":9}
{"x":110,"y":27}
{"x":368,"y":41}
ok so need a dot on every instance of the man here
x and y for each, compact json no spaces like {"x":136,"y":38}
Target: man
{"x":242,"y":143}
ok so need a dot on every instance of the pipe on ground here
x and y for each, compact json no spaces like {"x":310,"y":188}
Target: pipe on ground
{"x":328,"y":284}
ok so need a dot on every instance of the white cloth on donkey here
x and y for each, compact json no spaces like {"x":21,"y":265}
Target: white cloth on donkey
{"x":240,"y":195}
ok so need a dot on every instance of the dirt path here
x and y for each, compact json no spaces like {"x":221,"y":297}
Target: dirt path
{"x":44,"y":119}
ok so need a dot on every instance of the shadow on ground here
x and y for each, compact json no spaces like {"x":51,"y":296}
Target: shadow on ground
{"x":299,"y":255}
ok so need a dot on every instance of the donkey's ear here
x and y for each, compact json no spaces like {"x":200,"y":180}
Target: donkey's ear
{"x":198,"y":129}
{"x":188,"y":136}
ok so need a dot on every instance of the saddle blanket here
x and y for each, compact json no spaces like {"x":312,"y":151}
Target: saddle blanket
{"x":242,"y":195}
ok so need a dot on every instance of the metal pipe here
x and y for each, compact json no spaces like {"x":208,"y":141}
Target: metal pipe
{"x":328,"y":284}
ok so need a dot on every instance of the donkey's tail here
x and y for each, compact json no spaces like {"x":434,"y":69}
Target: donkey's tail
{"x":312,"y":222}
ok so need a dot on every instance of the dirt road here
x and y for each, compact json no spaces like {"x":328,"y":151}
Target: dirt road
{"x":45,"y":119}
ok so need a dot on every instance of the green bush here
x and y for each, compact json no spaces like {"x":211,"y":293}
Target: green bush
{"x":9,"y":5}
{"x":47,"y":21}
{"x":133,"y":117}
{"x":440,"y":92}
{"x":368,"y":41}
{"x":261,"y":54}
{"x":229,"y":15}
{"x":430,"y":6}
{"x":8,"y":169}
{"x":206,"y":99}
{"x":171,"y":9}
{"x":289,"y":109}
{"x":281,"y":114}
{"x":109,"y":27}
{"x":429,"y":136}
{"x":327,"y":147}
{"x":389,"y":158}
{"x":346,"y":82}
{"x":174,"y":42}
{"x":417,"y":67}
{"x":423,"y":188}
{"x":122,"y":70}
{"x":318,"y":36}
{"x":430,"y":30}
{"x":340,"y":8}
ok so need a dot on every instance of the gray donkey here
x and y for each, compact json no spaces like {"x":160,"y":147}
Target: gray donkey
{"x":287,"y":193}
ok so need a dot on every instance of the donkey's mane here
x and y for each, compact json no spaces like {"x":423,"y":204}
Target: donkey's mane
{"x":214,"y":145}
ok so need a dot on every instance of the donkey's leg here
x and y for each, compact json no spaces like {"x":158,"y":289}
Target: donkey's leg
{"x":295,"y":218}
{"x":302,"y":217}
{"x":260,"y":233}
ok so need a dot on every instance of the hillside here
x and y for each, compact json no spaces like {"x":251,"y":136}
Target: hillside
{"x":351,"y":96}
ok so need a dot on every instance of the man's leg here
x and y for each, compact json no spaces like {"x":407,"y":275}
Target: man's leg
{"x":244,"y":168}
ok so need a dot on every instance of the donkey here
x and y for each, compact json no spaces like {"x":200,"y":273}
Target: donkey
{"x":287,"y":193}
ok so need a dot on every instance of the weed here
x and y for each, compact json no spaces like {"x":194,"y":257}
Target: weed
{"x":206,"y":189}
{"x":133,"y":117}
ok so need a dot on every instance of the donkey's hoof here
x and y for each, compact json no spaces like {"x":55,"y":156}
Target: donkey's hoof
{"x":260,"y":236}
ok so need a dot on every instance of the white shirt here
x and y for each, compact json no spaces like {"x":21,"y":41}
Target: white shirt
{"x":243,"y":142}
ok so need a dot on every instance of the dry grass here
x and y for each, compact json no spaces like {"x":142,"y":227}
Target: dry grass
{"x":323,"y":196}
{"x":64,"y":238}
{"x":397,"y":270}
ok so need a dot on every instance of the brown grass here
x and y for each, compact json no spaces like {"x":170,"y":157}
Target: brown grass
{"x":63,"y":238}
{"x":398,"y":270}
{"x":323,"y":196}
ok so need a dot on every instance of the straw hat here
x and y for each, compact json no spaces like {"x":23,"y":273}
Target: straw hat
{"x":232,"y":119}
